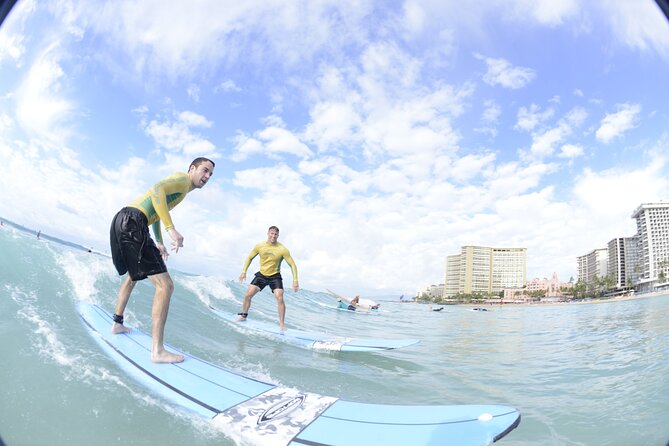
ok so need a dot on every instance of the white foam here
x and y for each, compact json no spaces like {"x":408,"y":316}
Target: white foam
{"x":46,"y":343}
{"x":205,"y":287}
{"x":84,"y":270}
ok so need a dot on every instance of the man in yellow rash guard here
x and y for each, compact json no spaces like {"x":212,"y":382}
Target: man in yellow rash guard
{"x":271,"y":253}
{"x":133,"y":250}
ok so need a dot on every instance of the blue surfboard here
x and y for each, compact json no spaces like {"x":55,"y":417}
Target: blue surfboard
{"x":317,"y":341}
{"x":263,"y":413}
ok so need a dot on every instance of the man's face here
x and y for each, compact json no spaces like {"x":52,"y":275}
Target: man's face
{"x":200,"y":175}
{"x":272,"y":235}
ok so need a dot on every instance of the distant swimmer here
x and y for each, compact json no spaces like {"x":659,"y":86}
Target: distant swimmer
{"x":39,"y":233}
{"x":133,"y":250}
{"x":271,"y":253}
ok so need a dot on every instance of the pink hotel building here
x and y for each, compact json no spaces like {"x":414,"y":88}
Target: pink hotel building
{"x":550,"y":286}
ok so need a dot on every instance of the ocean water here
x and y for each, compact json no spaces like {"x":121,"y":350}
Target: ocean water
{"x":590,"y":374}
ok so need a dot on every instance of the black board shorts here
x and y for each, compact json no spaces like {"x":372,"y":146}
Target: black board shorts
{"x":133,"y":251}
{"x":275,"y":281}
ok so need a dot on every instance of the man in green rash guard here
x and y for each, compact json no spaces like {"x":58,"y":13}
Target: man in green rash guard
{"x":271,"y":253}
{"x":133,"y":250}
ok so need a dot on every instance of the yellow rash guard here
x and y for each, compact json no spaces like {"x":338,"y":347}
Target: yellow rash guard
{"x":161,"y":198}
{"x":271,"y":256}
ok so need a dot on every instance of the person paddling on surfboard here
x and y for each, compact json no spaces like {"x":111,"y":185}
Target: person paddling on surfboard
{"x":354,"y":303}
{"x":133,"y":250}
{"x":271,"y":253}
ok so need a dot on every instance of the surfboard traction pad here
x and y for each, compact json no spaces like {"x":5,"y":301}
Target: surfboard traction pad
{"x":275,"y":417}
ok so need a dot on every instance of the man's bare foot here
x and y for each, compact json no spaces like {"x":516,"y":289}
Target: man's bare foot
{"x":282,"y":327}
{"x":120,"y":328}
{"x":166,"y":357}
{"x":241,"y":318}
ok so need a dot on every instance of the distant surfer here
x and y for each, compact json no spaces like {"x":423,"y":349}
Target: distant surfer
{"x":39,"y":233}
{"x":354,"y":303}
{"x":133,"y":250}
{"x":271,"y":253}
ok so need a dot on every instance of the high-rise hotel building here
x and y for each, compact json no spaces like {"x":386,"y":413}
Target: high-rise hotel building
{"x":639,"y":261}
{"x":593,"y":264}
{"x":481,"y":269}
{"x":652,"y":223}
{"x":623,"y":261}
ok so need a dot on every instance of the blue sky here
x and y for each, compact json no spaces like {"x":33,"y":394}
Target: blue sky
{"x":379,"y":136}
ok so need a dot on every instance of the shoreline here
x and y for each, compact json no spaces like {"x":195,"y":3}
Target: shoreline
{"x":579,"y":302}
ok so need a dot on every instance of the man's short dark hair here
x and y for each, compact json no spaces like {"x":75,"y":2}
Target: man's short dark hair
{"x":273,"y":227}
{"x":197,"y":161}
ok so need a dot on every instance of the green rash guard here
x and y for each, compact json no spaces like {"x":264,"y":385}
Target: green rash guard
{"x":161,"y":198}
{"x":271,"y":256}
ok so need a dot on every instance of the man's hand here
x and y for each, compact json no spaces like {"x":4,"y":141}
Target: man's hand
{"x":242,"y":277}
{"x":177,"y":239}
{"x":296,"y":287}
{"x":163,"y":251}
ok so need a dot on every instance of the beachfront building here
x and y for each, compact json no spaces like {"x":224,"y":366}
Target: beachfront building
{"x":652,"y":221}
{"x":623,"y":264}
{"x":452,"y":285}
{"x":486,"y":270}
{"x":593,"y":264}
{"x":432,"y":292}
{"x":552,"y":288}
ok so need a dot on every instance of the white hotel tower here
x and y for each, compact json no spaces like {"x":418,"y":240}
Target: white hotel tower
{"x":652,"y":222}
{"x":483,"y":269}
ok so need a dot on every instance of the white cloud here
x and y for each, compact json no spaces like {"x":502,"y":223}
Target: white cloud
{"x":528,"y":119}
{"x":272,"y":182}
{"x":158,"y":38}
{"x":415,"y":17}
{"x":512,"y":178}
{"x":42,"y":107}
{"x":333,"y":125}
{"x":570,"y":151}
{"x":544,"y":143}
{"x":545,"y":12}
{"x":226,"y":86}
{"x":502,"y":72}
{"x":13,"y":38}
{"x":273,"y":141}
{"x":612,"y":195}
{"x":492,"y":112}
{"x":6,"y":123}
{"x":177,"y":135}
{"x":638,"y":25}
{"x":615,"y":124}
{"x":490,"y":118}
{"x":471,"y":166}
{"x":193,"y":92}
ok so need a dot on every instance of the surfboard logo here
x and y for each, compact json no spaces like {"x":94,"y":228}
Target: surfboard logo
{"x":281,"y":409}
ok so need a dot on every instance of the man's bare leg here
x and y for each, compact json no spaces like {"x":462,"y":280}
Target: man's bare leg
{"x":281,"y":307}
{"x":246,"y":306}
{"x":161,"y":305}
{"x":123,"y":296}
